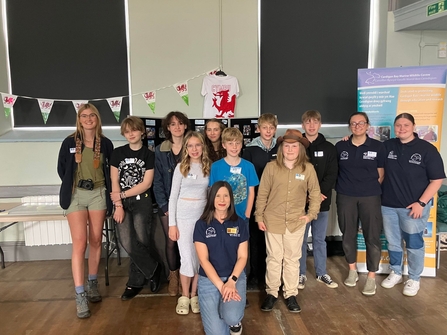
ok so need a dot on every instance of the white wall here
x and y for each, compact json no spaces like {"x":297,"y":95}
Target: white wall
{"x":171,"y":41}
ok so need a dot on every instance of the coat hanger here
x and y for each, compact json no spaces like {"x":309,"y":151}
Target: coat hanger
{"x":220,"y":73}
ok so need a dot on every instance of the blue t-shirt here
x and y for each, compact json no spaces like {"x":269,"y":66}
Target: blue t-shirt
{"x":357,"y":168}
{"x":409,"y":168}
{"x":240,"y":177}
{"x":222,"y":241}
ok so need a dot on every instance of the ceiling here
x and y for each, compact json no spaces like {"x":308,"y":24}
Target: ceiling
{"x":413,"y":15}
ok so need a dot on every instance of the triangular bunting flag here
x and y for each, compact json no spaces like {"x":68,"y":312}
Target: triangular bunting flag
{"x":150,"y":100}
{"x":8,"y":101}
{"x":213,"y":71}
{"x":78,"y":103}
{"x":115,"y":106}
{"x":45,"y":108}
{"x":182,"y":89}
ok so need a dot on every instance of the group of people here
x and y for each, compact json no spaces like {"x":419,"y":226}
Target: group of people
{"x":217,"y":204}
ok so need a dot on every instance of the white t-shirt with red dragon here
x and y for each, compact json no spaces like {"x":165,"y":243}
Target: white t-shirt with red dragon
{"x":220,"y":94}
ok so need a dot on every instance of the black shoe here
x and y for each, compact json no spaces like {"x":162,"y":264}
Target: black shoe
{"x":268,"y":303}
{"x":130,"y":292}
{"x":155,"y":280}
{"x":292,"y":305}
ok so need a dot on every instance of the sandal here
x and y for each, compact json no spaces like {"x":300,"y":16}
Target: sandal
{"x":182,"y":307}
{"x":195,"y":305}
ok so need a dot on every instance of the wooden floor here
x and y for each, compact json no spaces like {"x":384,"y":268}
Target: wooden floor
{"x":37,"y":298}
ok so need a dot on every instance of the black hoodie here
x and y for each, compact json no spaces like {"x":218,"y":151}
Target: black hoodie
{"x":323,"y":156}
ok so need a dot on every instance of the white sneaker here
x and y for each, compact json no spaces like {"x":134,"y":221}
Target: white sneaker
{"x":302,"y":282}
{"x":411,"y":287}
{"x":391,"y":280}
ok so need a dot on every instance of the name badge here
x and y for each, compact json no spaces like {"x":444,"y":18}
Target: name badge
{"x":299,"y":176}
{"x":372,"y":154}
{"x":235,"y":169}
{"x":129,"y":160}
{"x":72,"y":150}
{"x":231,"y":230}
{"x":318,"y":153}
{"x":191,"y":176}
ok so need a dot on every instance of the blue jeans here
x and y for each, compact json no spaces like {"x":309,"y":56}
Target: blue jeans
{"x":135,"y":237}
{"x":319,"y":228}
{"x":218,"y":316}
{"x":399,"y":227}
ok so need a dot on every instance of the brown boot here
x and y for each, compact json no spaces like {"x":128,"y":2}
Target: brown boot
{"x":173,"y":283}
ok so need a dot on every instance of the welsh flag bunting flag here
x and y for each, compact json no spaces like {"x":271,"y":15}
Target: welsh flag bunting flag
{"x":150,"y":100}
{"x":115,"y":106}
{"x":8,"y":101}
{"x":182,"y":89}
{"x":45,"y":108}
{"x":78,"y":103}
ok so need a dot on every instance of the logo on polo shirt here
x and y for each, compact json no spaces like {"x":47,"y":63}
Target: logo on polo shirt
{"x":415,"y":159}
{"x":344,"y":155}
{"x":234,"y":231}
{"x":391,"y":155}
{"x":210,"y":232}
{"x":371,"y":155}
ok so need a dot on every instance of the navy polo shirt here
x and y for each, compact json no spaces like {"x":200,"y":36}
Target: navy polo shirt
{"x":409,"y":167}
{"x":357,"y":168}
{"x":222,"y":241}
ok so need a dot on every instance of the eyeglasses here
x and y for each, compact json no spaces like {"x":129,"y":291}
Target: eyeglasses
{"x":355,"y":124}
{"x":85,"y":116}
{"x":195,"y":146}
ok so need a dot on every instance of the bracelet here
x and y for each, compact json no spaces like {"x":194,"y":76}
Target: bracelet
{"x":118,"y":205}
{"x":123,"y":195}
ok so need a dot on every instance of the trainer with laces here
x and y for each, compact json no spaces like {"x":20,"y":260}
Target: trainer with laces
{"x":413,"y":174}
{"x":323,"y":156}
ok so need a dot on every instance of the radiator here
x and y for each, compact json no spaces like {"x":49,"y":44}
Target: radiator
{"x":45,"y":232}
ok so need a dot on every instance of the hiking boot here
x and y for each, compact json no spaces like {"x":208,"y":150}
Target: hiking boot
{"x":302,"y":282}
{"x":411,"y":287}
{"x":82,"y":309}
{"x":392,"y":279}
{"x":352,"y":278}
{"x":370,"y":286}
{"x":93,"y":294}
{"x":326,"y":279}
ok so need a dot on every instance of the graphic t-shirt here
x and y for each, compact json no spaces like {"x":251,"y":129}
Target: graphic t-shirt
{"x":220,"y":96}
{"x":240,"y":178}
{"x":132,"y":165}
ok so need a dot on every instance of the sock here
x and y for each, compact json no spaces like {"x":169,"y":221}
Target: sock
{"x":79,"y":289}
{"x":92,"y":277}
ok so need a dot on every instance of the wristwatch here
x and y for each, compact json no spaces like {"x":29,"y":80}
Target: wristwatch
{"x":421,"y":203}
{"x":234,"y":278}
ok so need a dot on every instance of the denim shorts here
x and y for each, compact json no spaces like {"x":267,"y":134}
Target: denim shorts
{"x":86,"y":200}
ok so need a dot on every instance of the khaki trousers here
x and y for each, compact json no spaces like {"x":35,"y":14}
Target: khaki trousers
{"x":283,"y":255}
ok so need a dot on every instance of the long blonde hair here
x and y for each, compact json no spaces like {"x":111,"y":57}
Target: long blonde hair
{"x":79,"y":132}
{"x":185,"y":164}
{"x":301,"y":160}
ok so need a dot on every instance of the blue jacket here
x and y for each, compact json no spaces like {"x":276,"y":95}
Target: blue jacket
{"x":66,"y":168}
{"x":164,"y":169}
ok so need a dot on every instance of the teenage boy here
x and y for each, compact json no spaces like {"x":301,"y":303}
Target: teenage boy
{"x":259,"y":152}
{"x":238,"y":172}
{"x":323,"y":156}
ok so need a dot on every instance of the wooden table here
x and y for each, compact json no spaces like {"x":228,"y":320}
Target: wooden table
{"x":14,"y":213}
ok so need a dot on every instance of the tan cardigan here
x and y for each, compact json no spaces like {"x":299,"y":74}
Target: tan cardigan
{"x":282,"y":195}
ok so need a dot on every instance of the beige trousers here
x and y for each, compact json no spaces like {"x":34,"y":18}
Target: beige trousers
{"x":283,"y":256}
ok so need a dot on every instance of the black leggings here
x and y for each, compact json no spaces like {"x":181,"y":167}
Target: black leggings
{"x":172,"y":253}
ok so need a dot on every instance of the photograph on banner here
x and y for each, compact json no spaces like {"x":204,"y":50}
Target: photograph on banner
{"x":383,"y":94}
